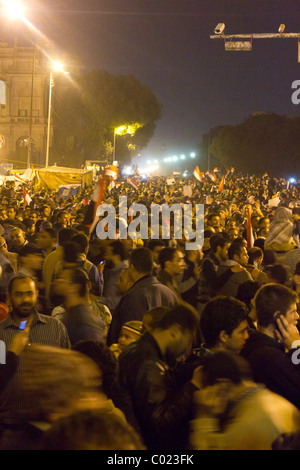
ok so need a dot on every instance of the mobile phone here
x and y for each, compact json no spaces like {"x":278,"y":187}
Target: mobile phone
{"x":23,"y":325}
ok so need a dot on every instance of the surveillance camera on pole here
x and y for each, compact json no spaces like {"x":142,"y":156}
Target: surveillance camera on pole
{"x":281,"y":28}
{"x":220,"y":28}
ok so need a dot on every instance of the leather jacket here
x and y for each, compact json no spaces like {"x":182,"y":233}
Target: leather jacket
{"x":162,"y":407}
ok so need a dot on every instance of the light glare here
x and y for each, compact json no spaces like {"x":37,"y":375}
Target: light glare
{"x":13,"y":9}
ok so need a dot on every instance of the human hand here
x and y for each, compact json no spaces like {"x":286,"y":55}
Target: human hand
{"x":287,"y":333}
{"x":255,"y":273}
{"x":237,"y":268}
{"x":19,"y":342}
{"x":101,"y":267}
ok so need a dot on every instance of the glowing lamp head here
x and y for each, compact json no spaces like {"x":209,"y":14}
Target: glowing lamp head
{"x":57,"y":66}
{"x":13,"y":9}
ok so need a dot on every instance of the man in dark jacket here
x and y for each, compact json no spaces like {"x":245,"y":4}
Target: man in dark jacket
{"x":146,"y":293}
{"x":162,"y":407}
{"x":210,"y":282}
{"x":277,"y":317}
{"x":80,"y":319}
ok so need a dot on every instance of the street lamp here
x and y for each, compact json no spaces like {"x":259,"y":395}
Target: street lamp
{"x":13,"y":9}
{"x":57,"y":66}
{"x":121,"y":130}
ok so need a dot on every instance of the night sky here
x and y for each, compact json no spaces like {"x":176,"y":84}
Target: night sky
{"x":166,"y":44}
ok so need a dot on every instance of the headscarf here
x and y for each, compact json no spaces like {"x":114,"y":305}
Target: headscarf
{"x":280,"y":236}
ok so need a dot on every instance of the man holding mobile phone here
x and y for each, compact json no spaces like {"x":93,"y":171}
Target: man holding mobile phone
{"x":270,"y":349}
{"x":16,"y":346}
{"x":41,"y":329}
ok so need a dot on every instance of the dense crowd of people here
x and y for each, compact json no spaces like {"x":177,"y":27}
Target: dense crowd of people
{"x":141,"y":343}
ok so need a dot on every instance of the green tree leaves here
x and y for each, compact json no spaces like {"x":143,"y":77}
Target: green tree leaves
{"x":87,"y":113}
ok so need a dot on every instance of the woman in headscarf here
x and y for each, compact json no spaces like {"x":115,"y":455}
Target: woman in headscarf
{"x":280,"y":237}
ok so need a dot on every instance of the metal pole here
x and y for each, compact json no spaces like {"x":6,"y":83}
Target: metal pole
{"x":257,"y":36}
{"x":31,"y":108}
{"x":208,"y":153}
{"x":114,"y":159}
{"x":49,"y":122}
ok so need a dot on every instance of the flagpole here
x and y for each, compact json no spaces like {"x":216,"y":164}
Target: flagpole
{"x":208,"y":153}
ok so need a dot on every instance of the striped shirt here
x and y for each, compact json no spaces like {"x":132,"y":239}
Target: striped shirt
{"x":43,"y":330}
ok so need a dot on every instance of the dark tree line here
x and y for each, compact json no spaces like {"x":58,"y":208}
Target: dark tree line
{"x":262,"y":142}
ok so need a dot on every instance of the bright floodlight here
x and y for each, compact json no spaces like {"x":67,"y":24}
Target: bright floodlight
{"x":13,"y":9}
{"x":57,"y":66}
{"x":182,"y":157}
{"x":193,"y":155}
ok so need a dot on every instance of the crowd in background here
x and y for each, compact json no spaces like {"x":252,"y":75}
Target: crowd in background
{"x":142,"y":343}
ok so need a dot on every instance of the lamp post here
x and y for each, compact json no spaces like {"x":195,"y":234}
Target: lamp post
{"x":121,"y":130}
{"x":58,"y":67}
{"x":49,"y":119}
{"x":29,"y":147}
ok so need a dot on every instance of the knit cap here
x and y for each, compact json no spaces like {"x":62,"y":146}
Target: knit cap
{"x":134,"y":327}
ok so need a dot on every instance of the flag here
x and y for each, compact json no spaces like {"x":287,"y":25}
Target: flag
{"x":221,"y":187}
{"x":197,"y":173}
{"x":216,"y":170}
{"x":111,"y":171}
{"x":176,"y":172}
{"x":212,"y":175}
{"x":130,"y":215}
{"x":265,"y":175}
{"x":250,"y":236}
{"x":27,"y":198}
{"x":112,"y":184}
{"x":133,"y":183}
{"x":232,"y":169}
{"x":19,"y":178}
{"x":97,"y":196}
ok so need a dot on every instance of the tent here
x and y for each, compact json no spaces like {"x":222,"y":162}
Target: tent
{"x":54,"y":177}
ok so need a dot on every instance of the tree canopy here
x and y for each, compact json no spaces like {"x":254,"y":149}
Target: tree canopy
{"x":263,"y":142}
{"x":88,"y":112}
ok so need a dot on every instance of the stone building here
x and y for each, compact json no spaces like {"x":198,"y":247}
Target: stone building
{"x":24,"y":91}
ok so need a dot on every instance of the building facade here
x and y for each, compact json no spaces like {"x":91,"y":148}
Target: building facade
{"x":24,"y":91}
